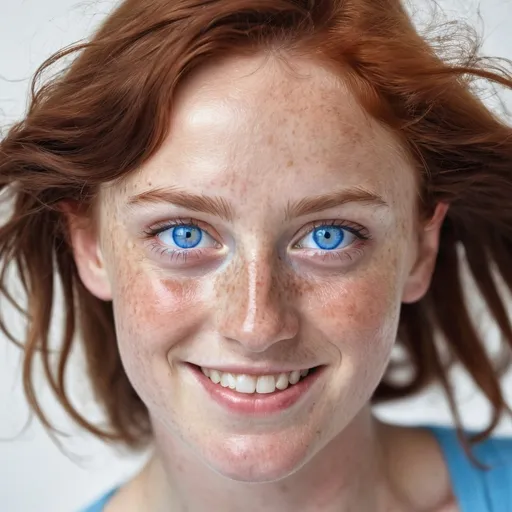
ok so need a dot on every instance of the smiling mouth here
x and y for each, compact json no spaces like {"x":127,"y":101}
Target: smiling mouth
{"x":257,"y":384}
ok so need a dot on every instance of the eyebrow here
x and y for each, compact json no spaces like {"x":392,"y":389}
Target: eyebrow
{"x":316,"y":204}
{"x":220,"y":207}
{"x":217,"y":206}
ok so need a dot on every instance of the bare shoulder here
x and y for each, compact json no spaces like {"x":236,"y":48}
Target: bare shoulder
{"x":416,"y":463}
{"x":449,"y":507}
{"x":129,"y":497}
{"x":126,"y":499}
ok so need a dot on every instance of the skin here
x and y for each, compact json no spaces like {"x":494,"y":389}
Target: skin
{"x":261,"y":136}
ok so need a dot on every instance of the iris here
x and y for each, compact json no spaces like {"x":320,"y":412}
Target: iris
{"x":328,"y":237}
{"x":184,"y":237}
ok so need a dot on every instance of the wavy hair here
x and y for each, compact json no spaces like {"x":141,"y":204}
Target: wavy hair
{"x":108,"y":112}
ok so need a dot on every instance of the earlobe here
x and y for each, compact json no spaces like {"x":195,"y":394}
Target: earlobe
{"x":88,"y":254}
{"x":421,"y":273}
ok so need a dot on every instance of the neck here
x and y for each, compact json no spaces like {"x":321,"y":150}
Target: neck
{"x":347,"y":474}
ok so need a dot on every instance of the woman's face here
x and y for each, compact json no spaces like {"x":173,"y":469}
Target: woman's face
{"x":274,"y":231}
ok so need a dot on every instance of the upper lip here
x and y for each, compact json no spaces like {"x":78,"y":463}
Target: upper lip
{"x":261,"y":369}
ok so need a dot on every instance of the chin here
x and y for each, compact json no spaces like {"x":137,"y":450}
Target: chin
{"x":260,"y":458}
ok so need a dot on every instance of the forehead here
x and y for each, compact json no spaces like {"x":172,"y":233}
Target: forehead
{"x":258,"y":123}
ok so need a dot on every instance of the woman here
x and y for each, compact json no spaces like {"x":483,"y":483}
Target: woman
{"x":249,"y":204}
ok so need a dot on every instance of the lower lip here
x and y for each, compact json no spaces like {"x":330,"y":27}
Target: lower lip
{"x":257,"y":403}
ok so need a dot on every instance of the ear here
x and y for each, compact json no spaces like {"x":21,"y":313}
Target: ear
{"x":87,"y":253}
{"x":420,"y":275}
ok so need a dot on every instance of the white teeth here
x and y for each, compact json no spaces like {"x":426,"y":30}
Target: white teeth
{"x":294,"y":377}
{"x":266,"y":384}
{"x":249,"y":384}
{"x":282,"y":381}
{"x":231,"y":381}
{"x":245,"y":383}
{"x":215,"y":376}
{"x":224,"y":380}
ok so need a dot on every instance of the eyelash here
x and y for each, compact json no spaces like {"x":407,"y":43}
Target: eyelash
{"x":362,"y":234}
{"x":171,"y":254}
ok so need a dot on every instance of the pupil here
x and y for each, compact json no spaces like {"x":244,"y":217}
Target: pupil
{"x":327,"y":235}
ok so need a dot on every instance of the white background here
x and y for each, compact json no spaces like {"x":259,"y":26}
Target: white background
{"x":34,"y":474}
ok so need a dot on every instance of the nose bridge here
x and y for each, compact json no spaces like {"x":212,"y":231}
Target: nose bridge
{"x":261,"y":304}
{"x":253,"y":308}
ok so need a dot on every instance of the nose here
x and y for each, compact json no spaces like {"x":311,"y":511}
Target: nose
{"x":253,"y":307}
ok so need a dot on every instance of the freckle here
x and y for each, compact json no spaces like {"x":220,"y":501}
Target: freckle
{"x":181,"y":290}
{"x":270,"y":139}
{"x":290,"y":163}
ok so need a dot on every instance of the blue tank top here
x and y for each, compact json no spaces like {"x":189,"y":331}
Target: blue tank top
{"x":478,"y":490}
{"x":475,"y":490}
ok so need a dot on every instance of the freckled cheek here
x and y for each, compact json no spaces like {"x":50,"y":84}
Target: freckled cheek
{"x":360,"y":315}
{"x":153,"y":311}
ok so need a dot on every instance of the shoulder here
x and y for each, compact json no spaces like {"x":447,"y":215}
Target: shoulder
{"x":487,"y":488}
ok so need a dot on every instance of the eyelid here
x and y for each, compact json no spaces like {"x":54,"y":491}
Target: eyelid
{"x":159,"y":227}
{"x":359,"y":231}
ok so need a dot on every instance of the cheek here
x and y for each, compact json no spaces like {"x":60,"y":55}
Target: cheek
{"x":359,"y":315}
{"x":152,"y":314}
{"x":149,"y":306}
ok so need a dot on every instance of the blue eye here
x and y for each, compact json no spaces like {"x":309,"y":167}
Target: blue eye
{"x":182,"y":237}
{"x":328,"y":238}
